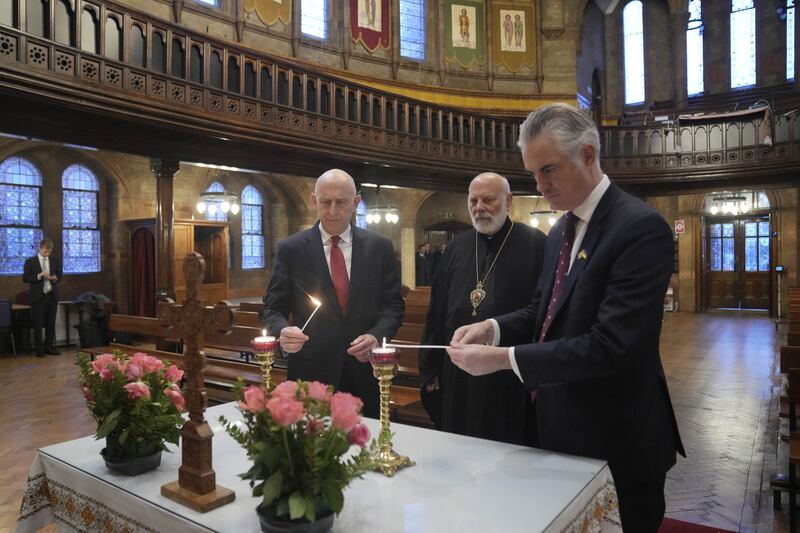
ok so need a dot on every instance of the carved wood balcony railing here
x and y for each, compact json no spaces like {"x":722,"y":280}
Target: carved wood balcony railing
{"x":117,"y":57}
{"x":699,"y":154}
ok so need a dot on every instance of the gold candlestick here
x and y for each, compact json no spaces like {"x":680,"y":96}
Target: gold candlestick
{"x":384,"y":367}
{"x":264,"y":349}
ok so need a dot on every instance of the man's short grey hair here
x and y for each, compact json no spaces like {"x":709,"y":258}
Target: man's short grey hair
{"x":569,"y":128}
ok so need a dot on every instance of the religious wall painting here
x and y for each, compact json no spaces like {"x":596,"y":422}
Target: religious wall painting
{"x":465,"y":32}
{"x":513,"y":38}
{"x":270,"y":11}
{"x":369,"y":23}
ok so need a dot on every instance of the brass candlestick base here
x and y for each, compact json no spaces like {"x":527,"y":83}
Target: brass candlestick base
{"x":385,"y":459}
{"x":265,"y":359}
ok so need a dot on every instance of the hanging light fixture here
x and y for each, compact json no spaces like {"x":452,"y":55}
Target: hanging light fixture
{"x":730,"y":203}
{"x":378,"y":214}
{"x":223,"y":201}
{"x":552,"y":216}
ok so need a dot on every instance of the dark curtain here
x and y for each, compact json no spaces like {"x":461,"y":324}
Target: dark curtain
{"x":143,"y":266}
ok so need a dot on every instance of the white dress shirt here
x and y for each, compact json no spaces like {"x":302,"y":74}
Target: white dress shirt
{"x":345,"y":245}
{"x":583,"y":213}
{"x":45,"y":264}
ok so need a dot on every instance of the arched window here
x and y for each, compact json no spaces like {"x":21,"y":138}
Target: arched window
{"x":694,"y":49}
{"x":361,"y":214}
{"x":20,"y":223}
{"x":412,"y":29}
{"x":633,"y":51}
{"x":790,"y":40}
{"x":213,"y":210}
{"x":81,"y":233}
{"x":314,"y":18}
{"x":743,"y":43}
{"x":252,"y":228}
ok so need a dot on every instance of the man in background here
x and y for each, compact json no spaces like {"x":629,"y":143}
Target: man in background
{"x":42,"y":272}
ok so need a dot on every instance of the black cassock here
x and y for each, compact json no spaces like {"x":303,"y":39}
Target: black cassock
{"x":495,"y":406}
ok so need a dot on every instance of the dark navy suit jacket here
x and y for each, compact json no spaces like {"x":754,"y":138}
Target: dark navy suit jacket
{"x":601,"y":390}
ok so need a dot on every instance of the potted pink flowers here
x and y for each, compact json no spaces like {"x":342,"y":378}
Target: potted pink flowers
{"x":298,"y":436}
{"x":137,"y":402}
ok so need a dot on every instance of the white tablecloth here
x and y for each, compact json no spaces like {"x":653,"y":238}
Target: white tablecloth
{"x":459,"y":484}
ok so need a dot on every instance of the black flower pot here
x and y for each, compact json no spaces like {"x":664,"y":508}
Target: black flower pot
{"x":273,"y":525}
{"x":132,"y":466}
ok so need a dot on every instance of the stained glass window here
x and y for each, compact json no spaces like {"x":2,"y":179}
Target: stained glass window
{"x":252,"y":228}
{"x":694,"y":49}
{"x":722,"y":247}
{"x":20,"y":224}
{"x":81,"y":234}
{"x":314,"y":18}
{"x":412,"y":29}
{"x":633,"y":45}
{"x":743,"y":43}
{"x":215,"y":213}
{"x":790,"y":40}
{"x":361,"y":214}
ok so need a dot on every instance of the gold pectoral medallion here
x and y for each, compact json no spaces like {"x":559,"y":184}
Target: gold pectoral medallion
{"x":476,"y":296}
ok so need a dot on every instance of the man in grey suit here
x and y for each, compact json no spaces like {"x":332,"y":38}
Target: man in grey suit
{"x":354,"y":274}
{"x":587,"y":346}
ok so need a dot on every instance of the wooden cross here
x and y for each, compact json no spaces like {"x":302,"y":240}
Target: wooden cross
{"x":196,"y":485}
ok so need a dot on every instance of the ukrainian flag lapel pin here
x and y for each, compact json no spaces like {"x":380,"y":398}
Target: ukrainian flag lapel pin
{"x":582,"y":255}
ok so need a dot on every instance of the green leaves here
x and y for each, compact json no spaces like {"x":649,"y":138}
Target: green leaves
{"x":109,"y":424}
{"x":272,"y":487}
{"x":333,"y":496}
{"x":297,"y":505}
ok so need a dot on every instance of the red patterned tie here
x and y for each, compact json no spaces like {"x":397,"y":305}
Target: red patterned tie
{"x":568,"y":239}
{"x":341,"y":283}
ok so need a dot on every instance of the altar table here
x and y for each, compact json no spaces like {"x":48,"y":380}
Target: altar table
{"x":459,"y":484}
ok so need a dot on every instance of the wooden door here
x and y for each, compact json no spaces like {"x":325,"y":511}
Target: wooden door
{"x":183,"y":243}
{"x":738,"y":263}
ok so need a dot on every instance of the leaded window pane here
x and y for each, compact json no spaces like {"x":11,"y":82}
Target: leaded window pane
{"x":763,"y":254}
{"x":790,"y":40}
{"x":716,"y":255}
{"x":19,"y":171}
{"x":19,"y":205}
{"x":716,"y":230}
{"x":728,"y":256}
{"x":313,"y":18}
{"x":743,"y":43}
{"x":80,"y":209}
{"x":633,"y":43}
{"x":727,"y":230}
{"x":763,"y":229}
{"x":412,"y":29}
{"x":16,"y":245}
{"x":252,"y":220}
{"x":750,"y":229}
{"x":252,"y":251}
{"x":751,"y":255}
{"x":79,"y":177}
{"x":81,"y":250}
{"x":694,"y":49}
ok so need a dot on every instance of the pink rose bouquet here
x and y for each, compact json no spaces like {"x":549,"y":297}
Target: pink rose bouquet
{"x":299,"y":437}
{"x":136,"y":400}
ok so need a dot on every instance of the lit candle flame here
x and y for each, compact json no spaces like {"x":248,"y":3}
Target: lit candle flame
{"x":384,"y":342}
{"x":263,"y":333}
{"x":315,"y":301}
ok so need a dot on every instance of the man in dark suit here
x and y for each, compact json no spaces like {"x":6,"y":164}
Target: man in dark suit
{"x":421,"y":267}
{"x":354,"y":273}
{"x":587,"y":345}
{"x":43,"y":272}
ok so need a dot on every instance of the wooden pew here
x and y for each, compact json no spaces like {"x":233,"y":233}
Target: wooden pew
{"x":221,"y":373}
{"x":251,"y":306}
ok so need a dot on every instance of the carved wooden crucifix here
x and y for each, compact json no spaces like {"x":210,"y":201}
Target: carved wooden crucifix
{"x":196,"y":485}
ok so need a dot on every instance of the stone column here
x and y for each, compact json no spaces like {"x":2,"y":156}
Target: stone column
{"x":678,"y":22}
{"x":408,"y":276}
{"x":164,"y":171}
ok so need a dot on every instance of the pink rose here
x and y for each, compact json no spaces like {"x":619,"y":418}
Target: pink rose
{"x":174,"y":374}
{"x":318,"y":391}
{"x":87,"y":394}
{"x":134,"y":372}
{"x":151,"y":364}
{"x":344,"y":411}
{"x":174,"y":394}
{"x":101,"y":361}
{"x":359,"y":435}
{"x":138,"y":359}
{"x":137,"y":390}
{"x":107,"y":374}
{"x":285,"y":411}
{"x":253,"y":399}
{"x":287,"y":389}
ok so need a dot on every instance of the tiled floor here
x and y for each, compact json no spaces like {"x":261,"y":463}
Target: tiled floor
{"x":721,"y":369}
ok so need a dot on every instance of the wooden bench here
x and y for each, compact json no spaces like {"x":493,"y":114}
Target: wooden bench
{"x":251,"y":306}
